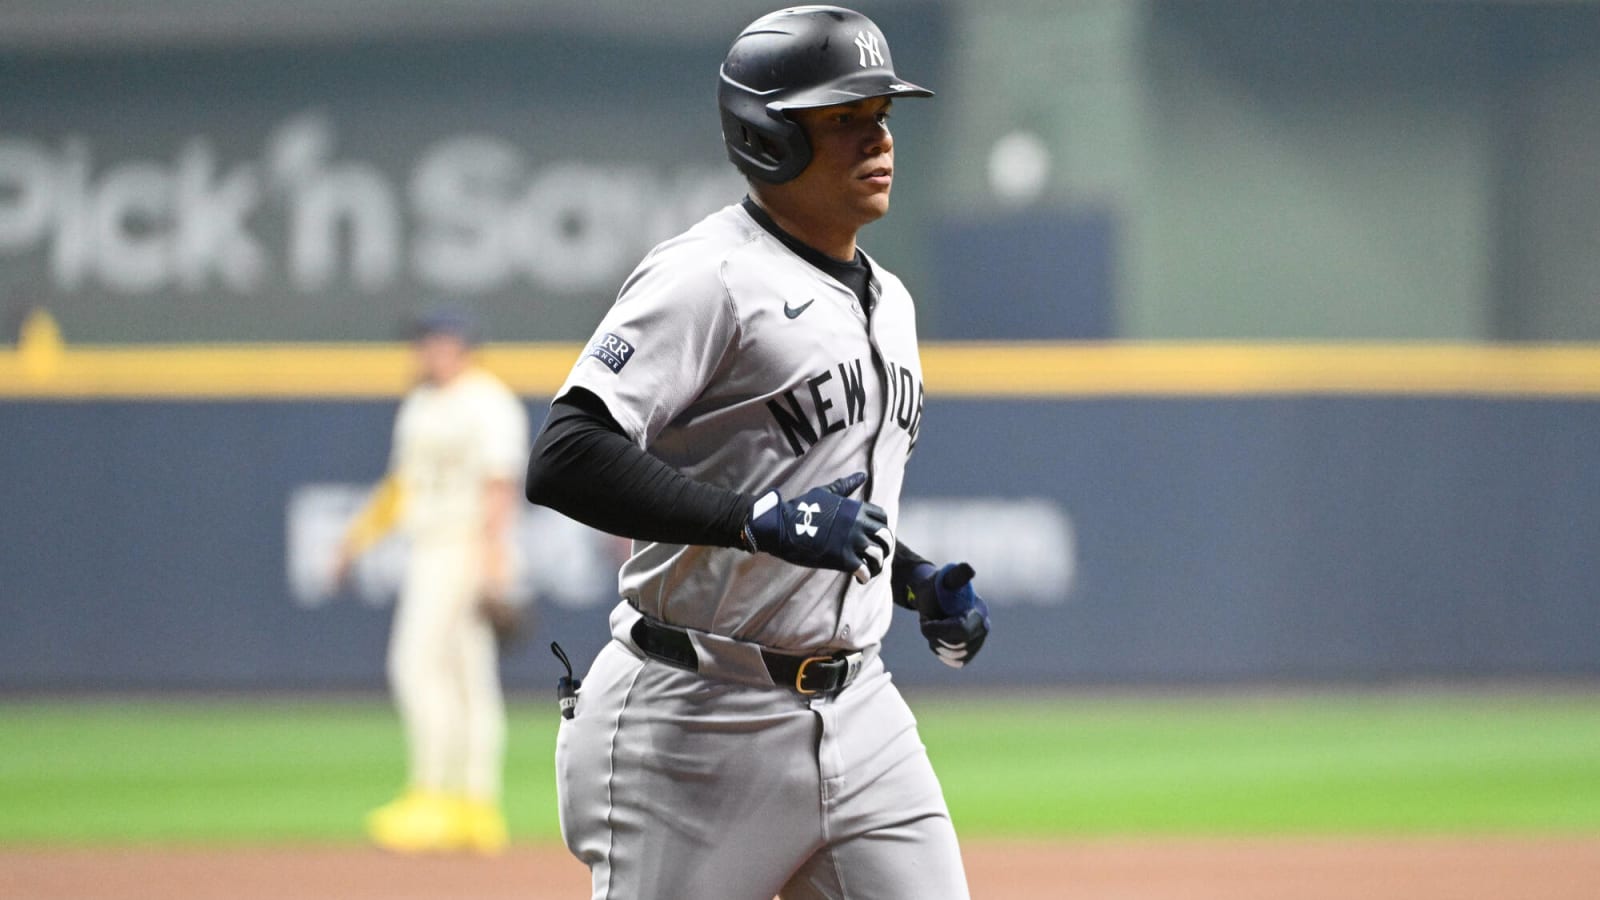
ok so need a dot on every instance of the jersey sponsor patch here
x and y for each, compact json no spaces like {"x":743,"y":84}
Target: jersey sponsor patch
{"x":612,"y":350}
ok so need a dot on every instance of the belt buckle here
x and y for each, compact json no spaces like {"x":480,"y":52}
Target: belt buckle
{"x":800,"y":673}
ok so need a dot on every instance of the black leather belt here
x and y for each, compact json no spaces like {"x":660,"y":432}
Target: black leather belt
{"x":802,"y":674}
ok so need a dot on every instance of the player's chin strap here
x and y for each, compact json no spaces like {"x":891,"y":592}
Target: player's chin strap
{"x":567,"y":687}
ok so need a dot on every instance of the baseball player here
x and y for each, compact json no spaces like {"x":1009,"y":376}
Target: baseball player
{"x":460,"y":439}
{"x":744,"y":413}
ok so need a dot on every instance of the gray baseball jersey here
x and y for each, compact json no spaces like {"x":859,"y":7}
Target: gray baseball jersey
{"x":742,"y":365}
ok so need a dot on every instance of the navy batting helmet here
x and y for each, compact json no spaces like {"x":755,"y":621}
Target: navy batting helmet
{"x":800,"y":58}
{"x":443,"y":320}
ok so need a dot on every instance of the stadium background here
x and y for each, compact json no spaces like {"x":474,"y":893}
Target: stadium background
{"x":1263,"y":339}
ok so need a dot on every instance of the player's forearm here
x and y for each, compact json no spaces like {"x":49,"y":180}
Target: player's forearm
{"x":906,"y":560}
{"x":377,"y":517}
{"x":499,"y":497}
{"x":908,"y":567}
{"x":498,"y":505}
{"x":584,"y":467}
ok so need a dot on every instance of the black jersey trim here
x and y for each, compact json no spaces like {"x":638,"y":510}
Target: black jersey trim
{"x":855,"y":274}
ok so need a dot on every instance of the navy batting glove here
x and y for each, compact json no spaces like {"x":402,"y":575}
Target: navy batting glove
{"x":823,"y":529}
{"x":955,"y":620}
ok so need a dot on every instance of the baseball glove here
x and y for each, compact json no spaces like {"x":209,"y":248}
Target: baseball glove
{"x":505,"y":619}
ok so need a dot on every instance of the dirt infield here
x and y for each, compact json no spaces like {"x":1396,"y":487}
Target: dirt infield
{"x":1279,"y":869}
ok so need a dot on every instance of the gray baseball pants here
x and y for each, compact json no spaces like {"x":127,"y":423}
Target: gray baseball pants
{"x":677,"y":786}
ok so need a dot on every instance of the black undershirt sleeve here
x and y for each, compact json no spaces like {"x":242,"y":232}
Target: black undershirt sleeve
{"x":902,"y":570}
{"x":584,"y":466}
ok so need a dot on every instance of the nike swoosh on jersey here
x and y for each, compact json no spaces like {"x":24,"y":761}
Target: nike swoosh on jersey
{"x":794,"y":312}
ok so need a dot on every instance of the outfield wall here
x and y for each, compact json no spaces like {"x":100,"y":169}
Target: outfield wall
{"x":147,"y":543}
{"x":1408,"y":182}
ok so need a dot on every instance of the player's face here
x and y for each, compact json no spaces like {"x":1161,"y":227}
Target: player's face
{"x":852,"y":162}
{"x":440,"y":357}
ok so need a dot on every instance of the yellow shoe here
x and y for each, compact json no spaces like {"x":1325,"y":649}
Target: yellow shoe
{"x":480,"y":827}
{"x":382,"y":818}
{"x":418,"y":822}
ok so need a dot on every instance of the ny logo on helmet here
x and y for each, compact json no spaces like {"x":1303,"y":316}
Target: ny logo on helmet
{"x":871,"y":56}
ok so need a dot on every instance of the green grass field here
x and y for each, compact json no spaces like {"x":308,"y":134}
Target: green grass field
{"x":304,"y":771}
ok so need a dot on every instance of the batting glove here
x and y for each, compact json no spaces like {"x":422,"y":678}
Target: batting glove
{"x":955,"y":620}
{"x":823,"y":529}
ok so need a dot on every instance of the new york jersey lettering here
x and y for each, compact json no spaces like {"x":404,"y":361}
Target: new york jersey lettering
{"x":826,"y":403}
{"x":905,"y":399}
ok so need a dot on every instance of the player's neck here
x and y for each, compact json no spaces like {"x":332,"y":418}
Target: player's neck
{"x":826,"y":237}
{"x":444,"y":379}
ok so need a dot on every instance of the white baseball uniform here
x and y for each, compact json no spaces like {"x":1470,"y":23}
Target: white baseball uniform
{"x":449,"y":442}
{"x":740,"y":363}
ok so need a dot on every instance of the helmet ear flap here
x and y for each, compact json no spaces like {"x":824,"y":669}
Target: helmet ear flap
{"x":758,"y":146}
{"x":767,"y":146}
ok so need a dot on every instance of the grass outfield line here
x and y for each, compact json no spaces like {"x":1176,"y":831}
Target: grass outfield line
{"x":101,"y":772}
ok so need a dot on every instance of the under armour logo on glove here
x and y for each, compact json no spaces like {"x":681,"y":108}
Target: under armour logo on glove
{"x":844,"y":534}
{"x":955,"y":620}
{"x":805,"y":527}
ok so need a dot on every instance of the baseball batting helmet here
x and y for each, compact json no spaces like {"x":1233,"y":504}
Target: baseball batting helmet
{"x":800,"y":58}
{"x":443,"y":320}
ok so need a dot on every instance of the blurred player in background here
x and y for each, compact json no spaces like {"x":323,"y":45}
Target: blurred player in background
{"x":460,"y":441}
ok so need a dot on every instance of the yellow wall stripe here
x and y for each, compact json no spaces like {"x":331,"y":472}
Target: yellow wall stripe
{"x":46,"y":370}
{"x":1219,"y":369}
